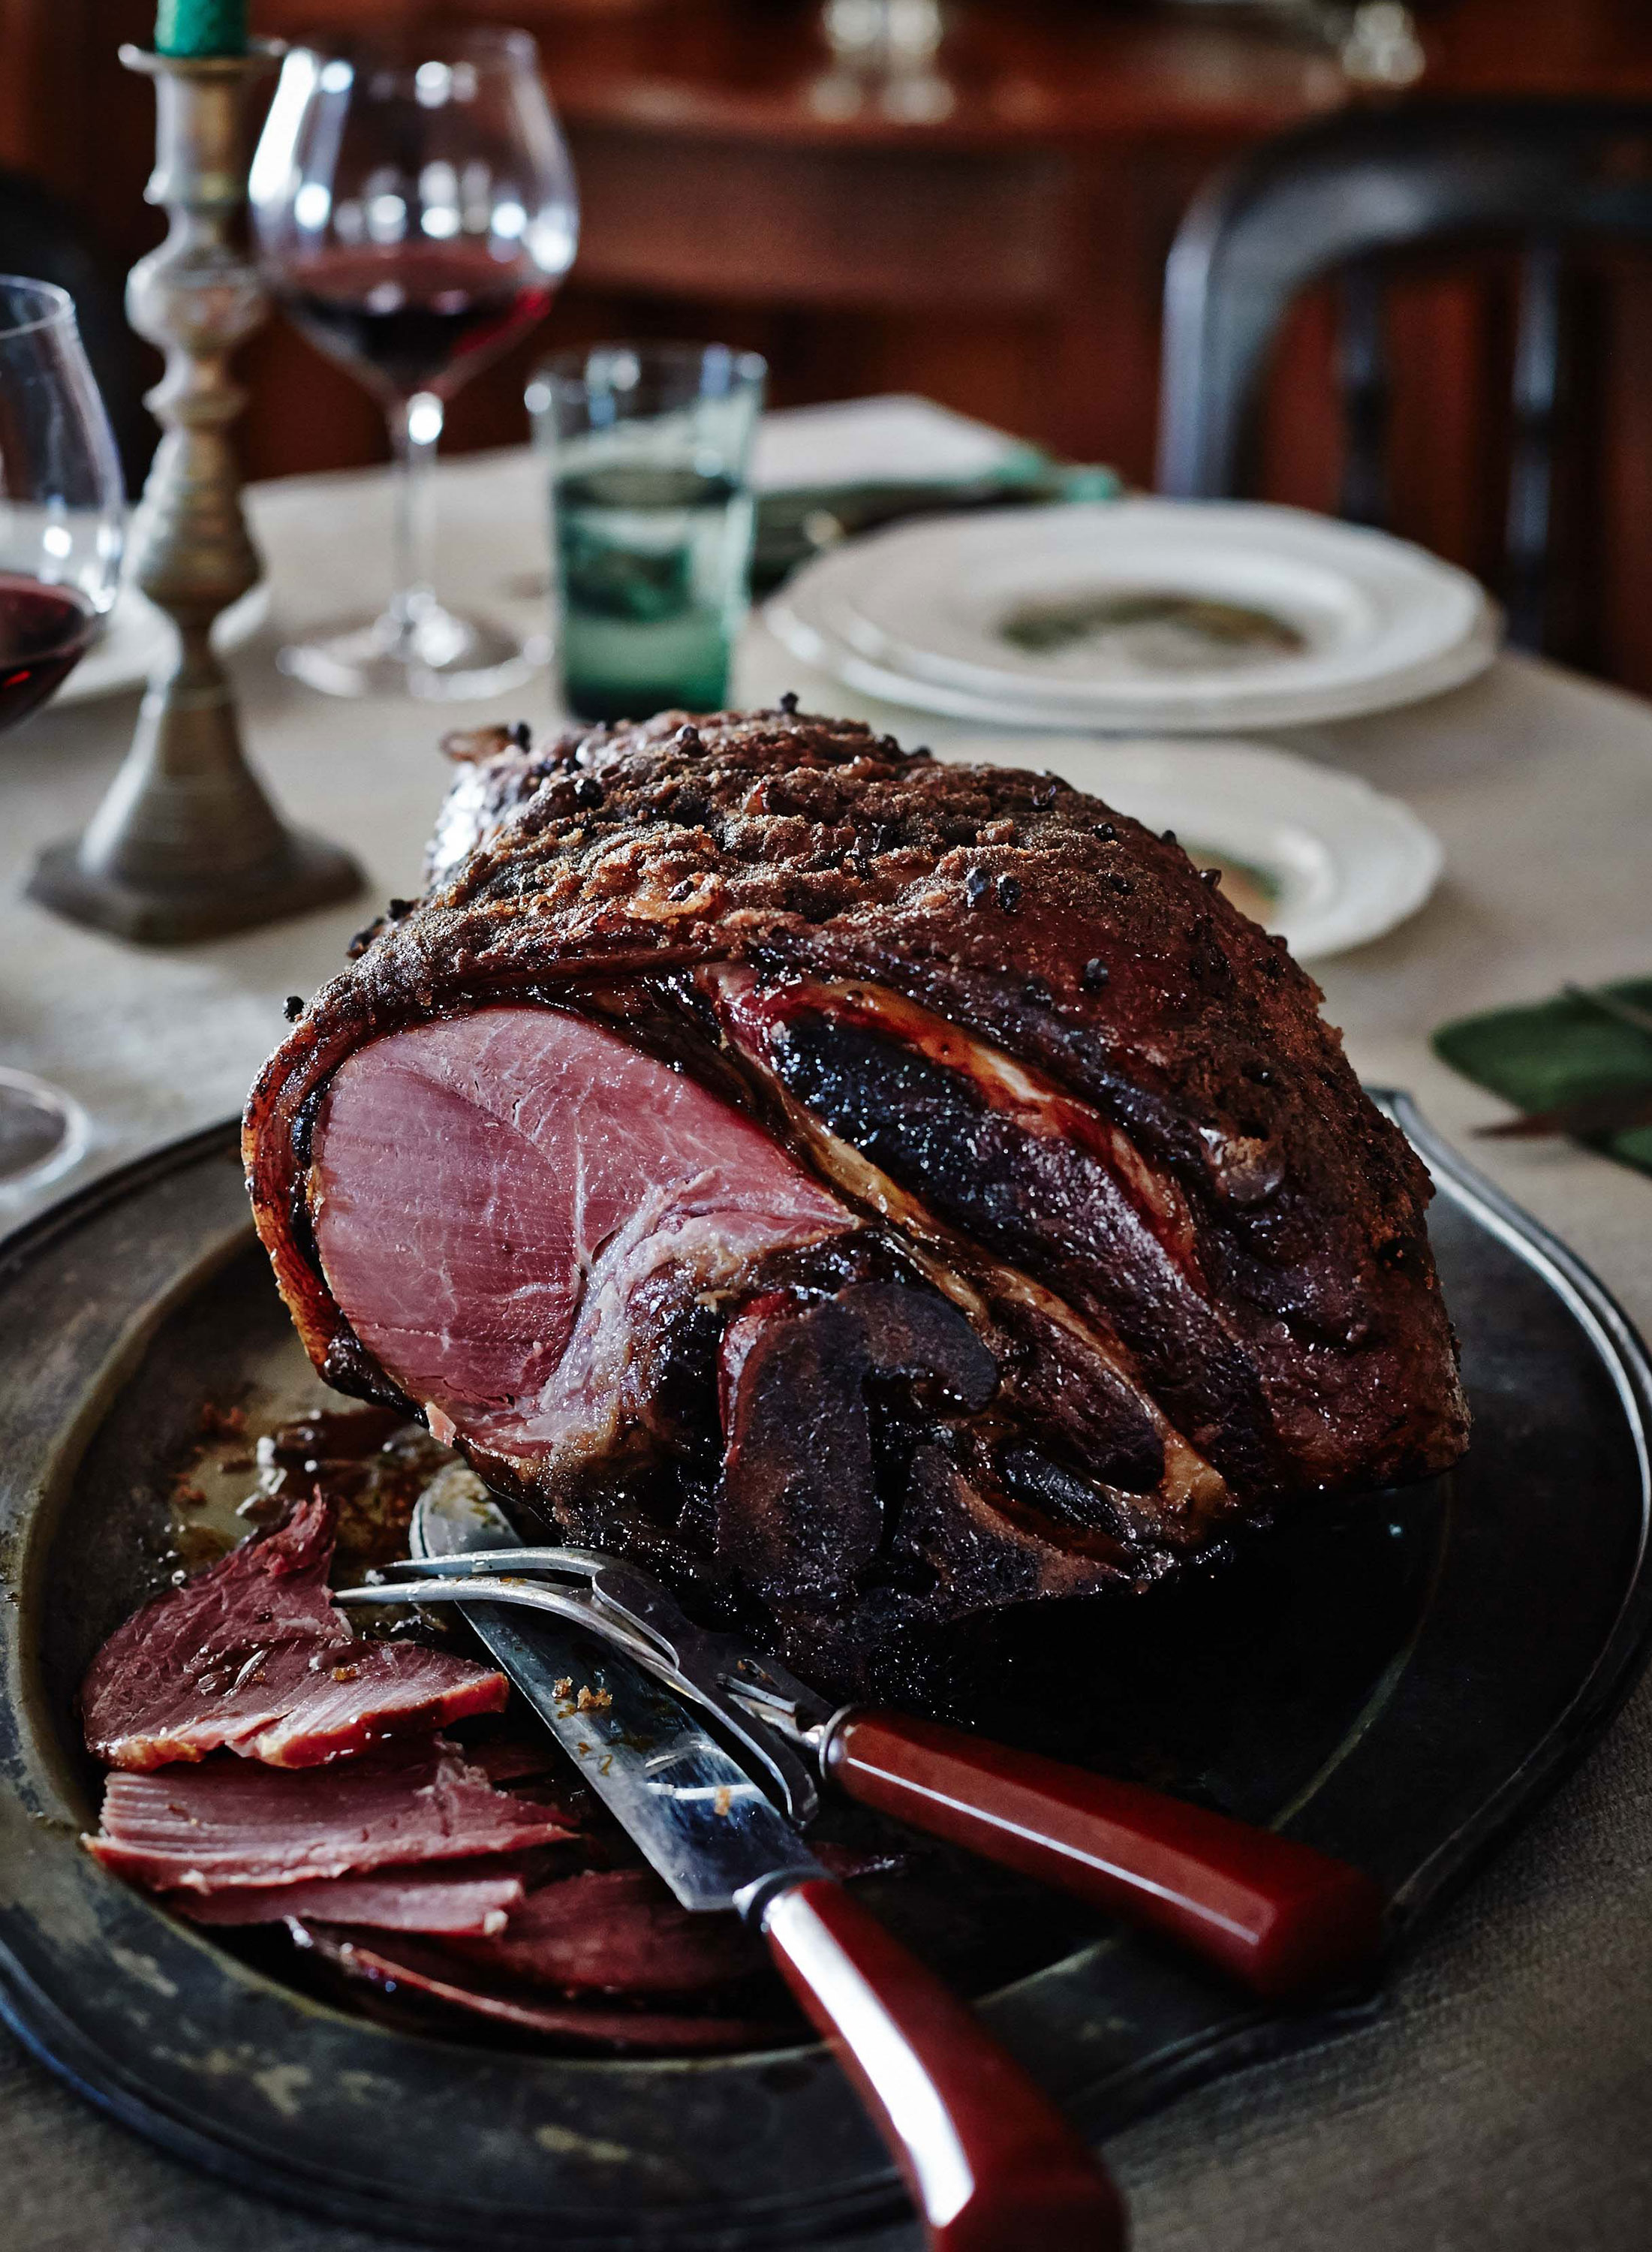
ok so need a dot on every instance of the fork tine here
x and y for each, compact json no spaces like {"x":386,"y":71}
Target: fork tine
{"x":794,"y":1780}
{"x":574,"y":1609}
{"x":578,"y":1563}
{"x":641,"y":1606}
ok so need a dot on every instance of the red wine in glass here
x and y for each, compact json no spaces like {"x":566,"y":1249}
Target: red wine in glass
{"x":414,"y":211}
{"x":62,"y":513}
{"x":44,"y":631}
{"x":415,"y":318}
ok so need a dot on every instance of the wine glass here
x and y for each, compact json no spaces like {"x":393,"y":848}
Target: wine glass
{"x":62,"y":516}
{"x":414,"y":210}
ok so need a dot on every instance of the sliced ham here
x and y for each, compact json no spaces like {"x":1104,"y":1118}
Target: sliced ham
{"x":510,"y":1758}
{"x":492,"y":1190}
{"x":457,"y":1904}
{"x":225,"y":1823}
{"x":252,"y":1657}
{"x":406,"y":1967}
{"x":618,"y":1930}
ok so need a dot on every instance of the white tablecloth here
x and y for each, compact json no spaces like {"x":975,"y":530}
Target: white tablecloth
{"x":1504,"y":2099}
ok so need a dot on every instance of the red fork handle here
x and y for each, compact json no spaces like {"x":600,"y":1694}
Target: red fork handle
{"x":1275,"y":1915}
{"x":991,"y":2163}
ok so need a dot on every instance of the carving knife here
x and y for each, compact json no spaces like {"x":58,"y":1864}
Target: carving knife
{"x":1281,"y":1916}
{"x":991,"y":2165}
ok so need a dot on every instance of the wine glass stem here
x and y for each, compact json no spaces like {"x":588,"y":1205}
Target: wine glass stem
{"x":415,"y":432}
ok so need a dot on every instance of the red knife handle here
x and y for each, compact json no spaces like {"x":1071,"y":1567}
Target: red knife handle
{"x":1281,"y":1917}
{"x":991,"y":2163}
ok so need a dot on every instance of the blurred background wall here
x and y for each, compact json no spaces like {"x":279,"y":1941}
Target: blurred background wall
{"x":989,"y":228}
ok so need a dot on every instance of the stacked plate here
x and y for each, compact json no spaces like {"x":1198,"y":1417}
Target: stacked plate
{"x":1316,"y":855}
{"x":1139,"y":616}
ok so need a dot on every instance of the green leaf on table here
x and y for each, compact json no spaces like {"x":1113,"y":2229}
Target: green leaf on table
{"x":1550,"y":1053}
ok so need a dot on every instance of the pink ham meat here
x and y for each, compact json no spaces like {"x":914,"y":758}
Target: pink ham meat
{"x":491,"y":1192}
{"x":252,"y":1657}
{"x":452,"y":1903}
{"x":226,"y":1825}
{"x":406,"y":1967}
{"x":617,"y":1931}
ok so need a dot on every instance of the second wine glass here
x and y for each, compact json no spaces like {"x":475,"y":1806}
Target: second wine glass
{"x":61,"y":519}
{"x":414,"y":210}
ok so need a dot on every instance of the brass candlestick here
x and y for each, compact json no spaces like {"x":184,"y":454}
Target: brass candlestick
{"x":186,"y":844}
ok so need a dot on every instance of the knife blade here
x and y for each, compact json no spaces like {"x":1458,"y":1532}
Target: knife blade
{"x":990,"y":2161}
{"x":698,"y":1816}
{"x":1281,"y":1916}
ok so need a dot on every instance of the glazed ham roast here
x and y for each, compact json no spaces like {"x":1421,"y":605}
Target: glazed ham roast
{"x":875,"y":1193}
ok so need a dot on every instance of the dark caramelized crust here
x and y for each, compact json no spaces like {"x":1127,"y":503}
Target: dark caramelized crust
{"x":1019,"y":1030}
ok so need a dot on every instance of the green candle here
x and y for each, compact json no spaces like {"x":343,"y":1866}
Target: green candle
{"x":201,"y":27}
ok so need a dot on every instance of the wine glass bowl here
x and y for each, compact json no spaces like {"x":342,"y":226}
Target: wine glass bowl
{"x":60,"y":531}
{"x":62,"y":520}
{"x":414,"y":211}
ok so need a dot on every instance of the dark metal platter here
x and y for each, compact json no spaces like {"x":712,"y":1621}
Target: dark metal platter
{"x":1398,"y":1679}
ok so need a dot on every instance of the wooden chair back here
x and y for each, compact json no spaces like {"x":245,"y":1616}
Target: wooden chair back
{"x":1347,"y":197}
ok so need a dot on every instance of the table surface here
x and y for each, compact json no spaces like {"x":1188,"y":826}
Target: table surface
{"x":1500,"y":2100}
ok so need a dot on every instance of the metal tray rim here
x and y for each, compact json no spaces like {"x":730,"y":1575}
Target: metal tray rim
{"x":856,"y":2212}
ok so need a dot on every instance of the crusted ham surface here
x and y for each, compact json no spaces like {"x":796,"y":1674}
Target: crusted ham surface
{"x":876,"y":1192}
{"x":252,"y":1657}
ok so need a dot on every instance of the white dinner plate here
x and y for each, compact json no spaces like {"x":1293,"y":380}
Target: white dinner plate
{"x":1316,"y":855}
{"x":136,"y":636}
{"x":1139,"y":613}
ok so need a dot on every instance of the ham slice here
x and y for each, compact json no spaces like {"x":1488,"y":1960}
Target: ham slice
{"x":252,"y":1657}
{"x":408,"y":1967}
{"x":224,"y":1825}
{"x":509,"y":1758}
{"x":490,"y":1192}
{"x":460,"y":1904}
{"x":619,"y":1930}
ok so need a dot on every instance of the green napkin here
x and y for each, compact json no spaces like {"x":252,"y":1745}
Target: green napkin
{"x":789,"y":522}
{"x":1555,"y":1051}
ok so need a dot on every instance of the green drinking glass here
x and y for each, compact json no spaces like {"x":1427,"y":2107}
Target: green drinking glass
{"x":648,"y":447}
